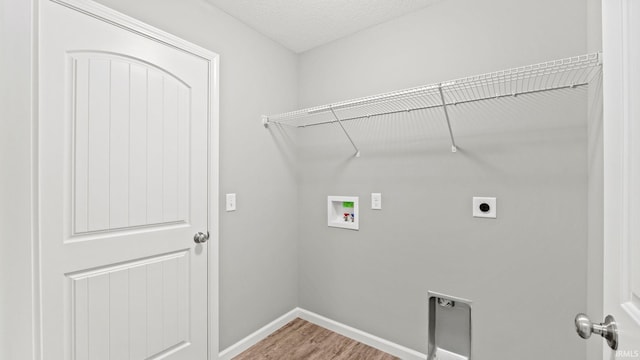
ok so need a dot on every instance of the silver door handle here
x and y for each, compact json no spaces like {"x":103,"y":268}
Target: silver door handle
{"x":607,"y":329}
{"x":200,"y":237}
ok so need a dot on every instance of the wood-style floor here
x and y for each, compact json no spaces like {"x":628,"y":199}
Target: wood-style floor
{"x":302,"y":340}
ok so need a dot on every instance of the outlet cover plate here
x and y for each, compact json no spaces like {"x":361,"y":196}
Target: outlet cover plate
{"x":376,"y":201}
{"x":231,"y":202}
{"x":481,"y":211}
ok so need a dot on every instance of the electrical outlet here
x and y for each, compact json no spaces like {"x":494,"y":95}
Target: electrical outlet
{"x":231,"y":202}
{"x":485,"y":207}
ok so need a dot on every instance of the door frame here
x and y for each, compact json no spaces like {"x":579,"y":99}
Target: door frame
{"x":618,"y":172}
{"x":106,"y":14}
{"x":19,"y":308}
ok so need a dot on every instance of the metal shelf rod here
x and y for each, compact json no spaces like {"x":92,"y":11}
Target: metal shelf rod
{"x":357,"y":154}
{"x":285,"y":122}
{"x":374,"y":99}
{"x":551,"y":75}
{"x":555,"y":70}
{"x":454,"y":148}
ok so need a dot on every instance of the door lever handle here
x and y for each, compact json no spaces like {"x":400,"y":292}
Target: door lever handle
{"x":608,"y":329}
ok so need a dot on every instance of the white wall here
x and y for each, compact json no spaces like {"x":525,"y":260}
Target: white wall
{"x":258,"y":277}
{"x":451,"y":39}
{"x":527,"y":268}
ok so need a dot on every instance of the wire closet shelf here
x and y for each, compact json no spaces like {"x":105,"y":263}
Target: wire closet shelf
{"x":551,"y":75}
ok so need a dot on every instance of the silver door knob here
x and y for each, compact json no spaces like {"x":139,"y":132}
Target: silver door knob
{"x":200,"y":237}
{"x":608,"y":329}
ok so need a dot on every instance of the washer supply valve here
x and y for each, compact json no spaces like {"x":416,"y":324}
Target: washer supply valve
{"x":346,"y":217}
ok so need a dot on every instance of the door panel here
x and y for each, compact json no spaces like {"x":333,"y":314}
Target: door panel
{"x":129,"y":117}
{"x":621,"y":39}
{"x":132,"y":309}
{"x":123,"y":185}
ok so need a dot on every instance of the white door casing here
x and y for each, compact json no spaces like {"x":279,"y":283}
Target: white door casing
{"x":621,"y":89}
{"x":127,"y":169}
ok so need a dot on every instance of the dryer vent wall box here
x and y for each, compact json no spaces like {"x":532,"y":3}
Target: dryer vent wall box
{"x":343,"y":212}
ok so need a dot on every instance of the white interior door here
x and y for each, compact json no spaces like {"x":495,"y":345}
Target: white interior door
{"x":621,"y":47}
{"x":123,"y":174}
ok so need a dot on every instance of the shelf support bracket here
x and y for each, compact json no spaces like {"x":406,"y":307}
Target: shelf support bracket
{"x":357,"y":154}
{"x":454,"y":148}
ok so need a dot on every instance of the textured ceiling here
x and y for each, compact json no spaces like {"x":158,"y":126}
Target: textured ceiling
{"x":301,"y":25}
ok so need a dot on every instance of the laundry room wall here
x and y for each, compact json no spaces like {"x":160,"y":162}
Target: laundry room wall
{"x":527,"y":268}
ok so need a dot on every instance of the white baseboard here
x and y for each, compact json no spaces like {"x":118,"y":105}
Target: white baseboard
{"x":361,"y":336}
{"x":262,"y":333}
{"x":342,"y":329}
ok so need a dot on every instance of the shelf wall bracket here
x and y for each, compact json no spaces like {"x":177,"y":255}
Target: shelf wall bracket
{"x":265,"y":121}
{"x":454,"y":148}
{"x":357,"y":154}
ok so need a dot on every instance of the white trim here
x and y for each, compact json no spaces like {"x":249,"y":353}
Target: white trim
{"x":214,"y":200}
{"x":36,"y":257}
{"x":620,"y":172}
{"x":113,"y":17}
{"x":342,"y":329}
{"x":261,"y":334}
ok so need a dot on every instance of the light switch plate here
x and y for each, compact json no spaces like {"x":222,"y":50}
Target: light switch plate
{"x":376,"y":201}
{"x":485,"y":207}
{"x":231,"y":202}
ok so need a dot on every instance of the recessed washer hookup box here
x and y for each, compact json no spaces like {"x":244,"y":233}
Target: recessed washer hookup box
{"x":343,"y":212}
